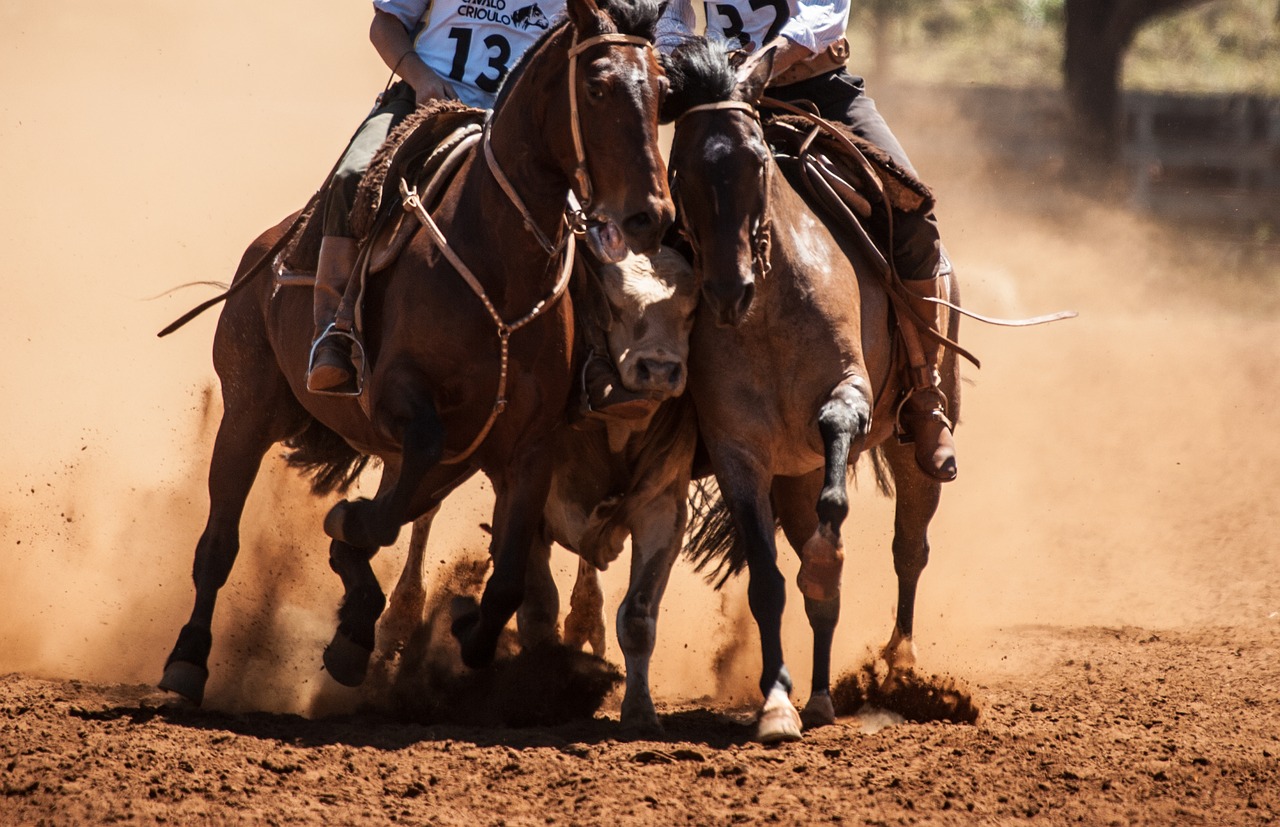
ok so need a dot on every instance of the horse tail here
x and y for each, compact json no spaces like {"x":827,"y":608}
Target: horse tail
{"x":880,"y":470}
{"x":712,"y":542}
{"x":319,"y":454}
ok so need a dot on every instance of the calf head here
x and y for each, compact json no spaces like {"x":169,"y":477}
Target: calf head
{"x":651,"y":299}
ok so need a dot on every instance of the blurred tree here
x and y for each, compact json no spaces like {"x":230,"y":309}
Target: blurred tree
{"x":1097,"y":34}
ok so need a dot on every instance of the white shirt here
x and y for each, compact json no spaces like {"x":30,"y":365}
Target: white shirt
{"x":474,"y":43}
{"x":813,"y":24}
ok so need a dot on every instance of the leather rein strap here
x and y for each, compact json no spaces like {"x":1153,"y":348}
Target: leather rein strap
{"x":762,"y":233}
{"x":505,"y":329}
{"x":581,"y":176}
{"x":413,"y":202}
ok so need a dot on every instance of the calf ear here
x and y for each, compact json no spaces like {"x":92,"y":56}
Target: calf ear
{"x":753,"y":75}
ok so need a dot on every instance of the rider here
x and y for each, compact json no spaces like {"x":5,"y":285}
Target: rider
{"x":809,"y":64}
{"x":455,"y":51}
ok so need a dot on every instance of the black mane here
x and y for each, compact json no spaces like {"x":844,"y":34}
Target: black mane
{"x":634,"y":17}
{"x":699,"y":71}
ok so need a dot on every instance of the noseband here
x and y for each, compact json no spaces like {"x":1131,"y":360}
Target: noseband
{"x":762,"y":232}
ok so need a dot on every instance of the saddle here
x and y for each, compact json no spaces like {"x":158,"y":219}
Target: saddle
{"x":416,"y":150}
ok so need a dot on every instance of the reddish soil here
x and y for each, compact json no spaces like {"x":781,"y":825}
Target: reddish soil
{"x":1090,"y":725}
{"x":1104,"y":580}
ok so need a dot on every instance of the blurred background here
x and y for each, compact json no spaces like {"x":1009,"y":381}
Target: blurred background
{"x":1117,"y":158}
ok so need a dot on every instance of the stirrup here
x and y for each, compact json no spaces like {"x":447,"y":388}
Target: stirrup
{"x":907,"y":436}
{"x":356,"y":388}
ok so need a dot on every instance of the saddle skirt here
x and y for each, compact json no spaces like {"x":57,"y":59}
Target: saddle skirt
{"x":414,"y":150}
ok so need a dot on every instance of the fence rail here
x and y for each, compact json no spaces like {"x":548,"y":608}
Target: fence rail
{"x":1213,"y":159}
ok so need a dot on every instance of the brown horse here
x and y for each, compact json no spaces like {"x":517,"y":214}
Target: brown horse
{"x":467,"y":373}
{"x":791,"y":373}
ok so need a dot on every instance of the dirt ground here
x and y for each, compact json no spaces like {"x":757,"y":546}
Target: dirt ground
{"x":1105,"y":578}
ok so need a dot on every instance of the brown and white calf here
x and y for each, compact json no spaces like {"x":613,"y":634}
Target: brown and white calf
{"x":621,"y":478}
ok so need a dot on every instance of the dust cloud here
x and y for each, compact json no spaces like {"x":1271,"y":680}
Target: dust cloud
{"x":1117,"y":469}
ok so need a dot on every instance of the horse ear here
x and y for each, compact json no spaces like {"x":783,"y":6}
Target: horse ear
{"x":752,"y":76}
{"x":585,"y":16}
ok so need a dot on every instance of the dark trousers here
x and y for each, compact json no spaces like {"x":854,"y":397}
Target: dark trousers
{"x":393,"y":106}
{"x":841,"y":97}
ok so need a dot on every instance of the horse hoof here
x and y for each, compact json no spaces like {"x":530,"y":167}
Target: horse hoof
{"x":465,"y":612}
{"x":349,"y":522}
{"x":779,"y":720}
{"x":335,"y":521}
{"x":641,"y":721}
{"x":346,"y":661}
{"x":819,"y":711}
{"x":821,"y":562}
{"x":185,"y":679}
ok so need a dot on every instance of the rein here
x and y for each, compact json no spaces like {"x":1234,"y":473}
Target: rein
{"x":505,"y":329}
{"x":580,"y":174}
{"x":576,"y":221}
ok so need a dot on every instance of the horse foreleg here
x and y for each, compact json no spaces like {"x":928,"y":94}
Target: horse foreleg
{"x":237,"y":454}
{"x":744,"y":484}
{"x":916,"y":503}
{"x":584,"y":625}
{"x":376,"y":523}
{"x":844,"y":418}
{"x":655,"y":543}
{"x":347,"y":655}
{"x":793,"y":497}
{"x":538,"y":617}
{"x":520,"y":496}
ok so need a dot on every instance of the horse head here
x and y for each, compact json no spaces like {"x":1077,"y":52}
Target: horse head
{"x":721,"y":166}
{"x":599,"y":120}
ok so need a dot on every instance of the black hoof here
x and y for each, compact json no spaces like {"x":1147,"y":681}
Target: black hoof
{"x":476,"y":654}
{"x":185,"y":679}
{"x":346,"y":661}
{"x":348,"y":522}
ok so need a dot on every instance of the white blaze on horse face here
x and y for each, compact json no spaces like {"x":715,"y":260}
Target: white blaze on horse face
{"x":653,"y":299}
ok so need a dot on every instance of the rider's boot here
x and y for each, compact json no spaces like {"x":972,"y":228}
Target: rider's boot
{"x":922,"y":416}
{"x":330,"y":369}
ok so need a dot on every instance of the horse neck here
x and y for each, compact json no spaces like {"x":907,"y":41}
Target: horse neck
{"x":527,"y":147}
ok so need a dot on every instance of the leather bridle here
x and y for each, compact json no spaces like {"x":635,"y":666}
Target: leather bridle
{"x":762,"y":231}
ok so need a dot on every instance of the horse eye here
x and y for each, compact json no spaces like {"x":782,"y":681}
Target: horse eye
{"x":596,"y":89}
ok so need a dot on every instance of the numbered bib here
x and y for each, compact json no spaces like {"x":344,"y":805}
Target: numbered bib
{"x":751,"y":22}
{"x":474,"y":43}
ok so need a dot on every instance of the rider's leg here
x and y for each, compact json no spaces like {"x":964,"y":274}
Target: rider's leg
{"x":920,"y":260}
{"x":330,"y":369}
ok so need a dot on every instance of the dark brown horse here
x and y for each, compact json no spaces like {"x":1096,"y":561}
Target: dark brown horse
{"x":791,"y":373}
{"x":464,"y":376}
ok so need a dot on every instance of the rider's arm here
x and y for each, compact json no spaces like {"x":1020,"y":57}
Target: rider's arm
{"x":815,"y":26}
{"x":675,"y":24}
{"x":390,"y":35}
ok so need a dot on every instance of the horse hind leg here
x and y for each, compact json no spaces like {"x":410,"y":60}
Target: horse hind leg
{"x":915,"y":504}
{"x":406,"y":608}
{"x":238,"y":449}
